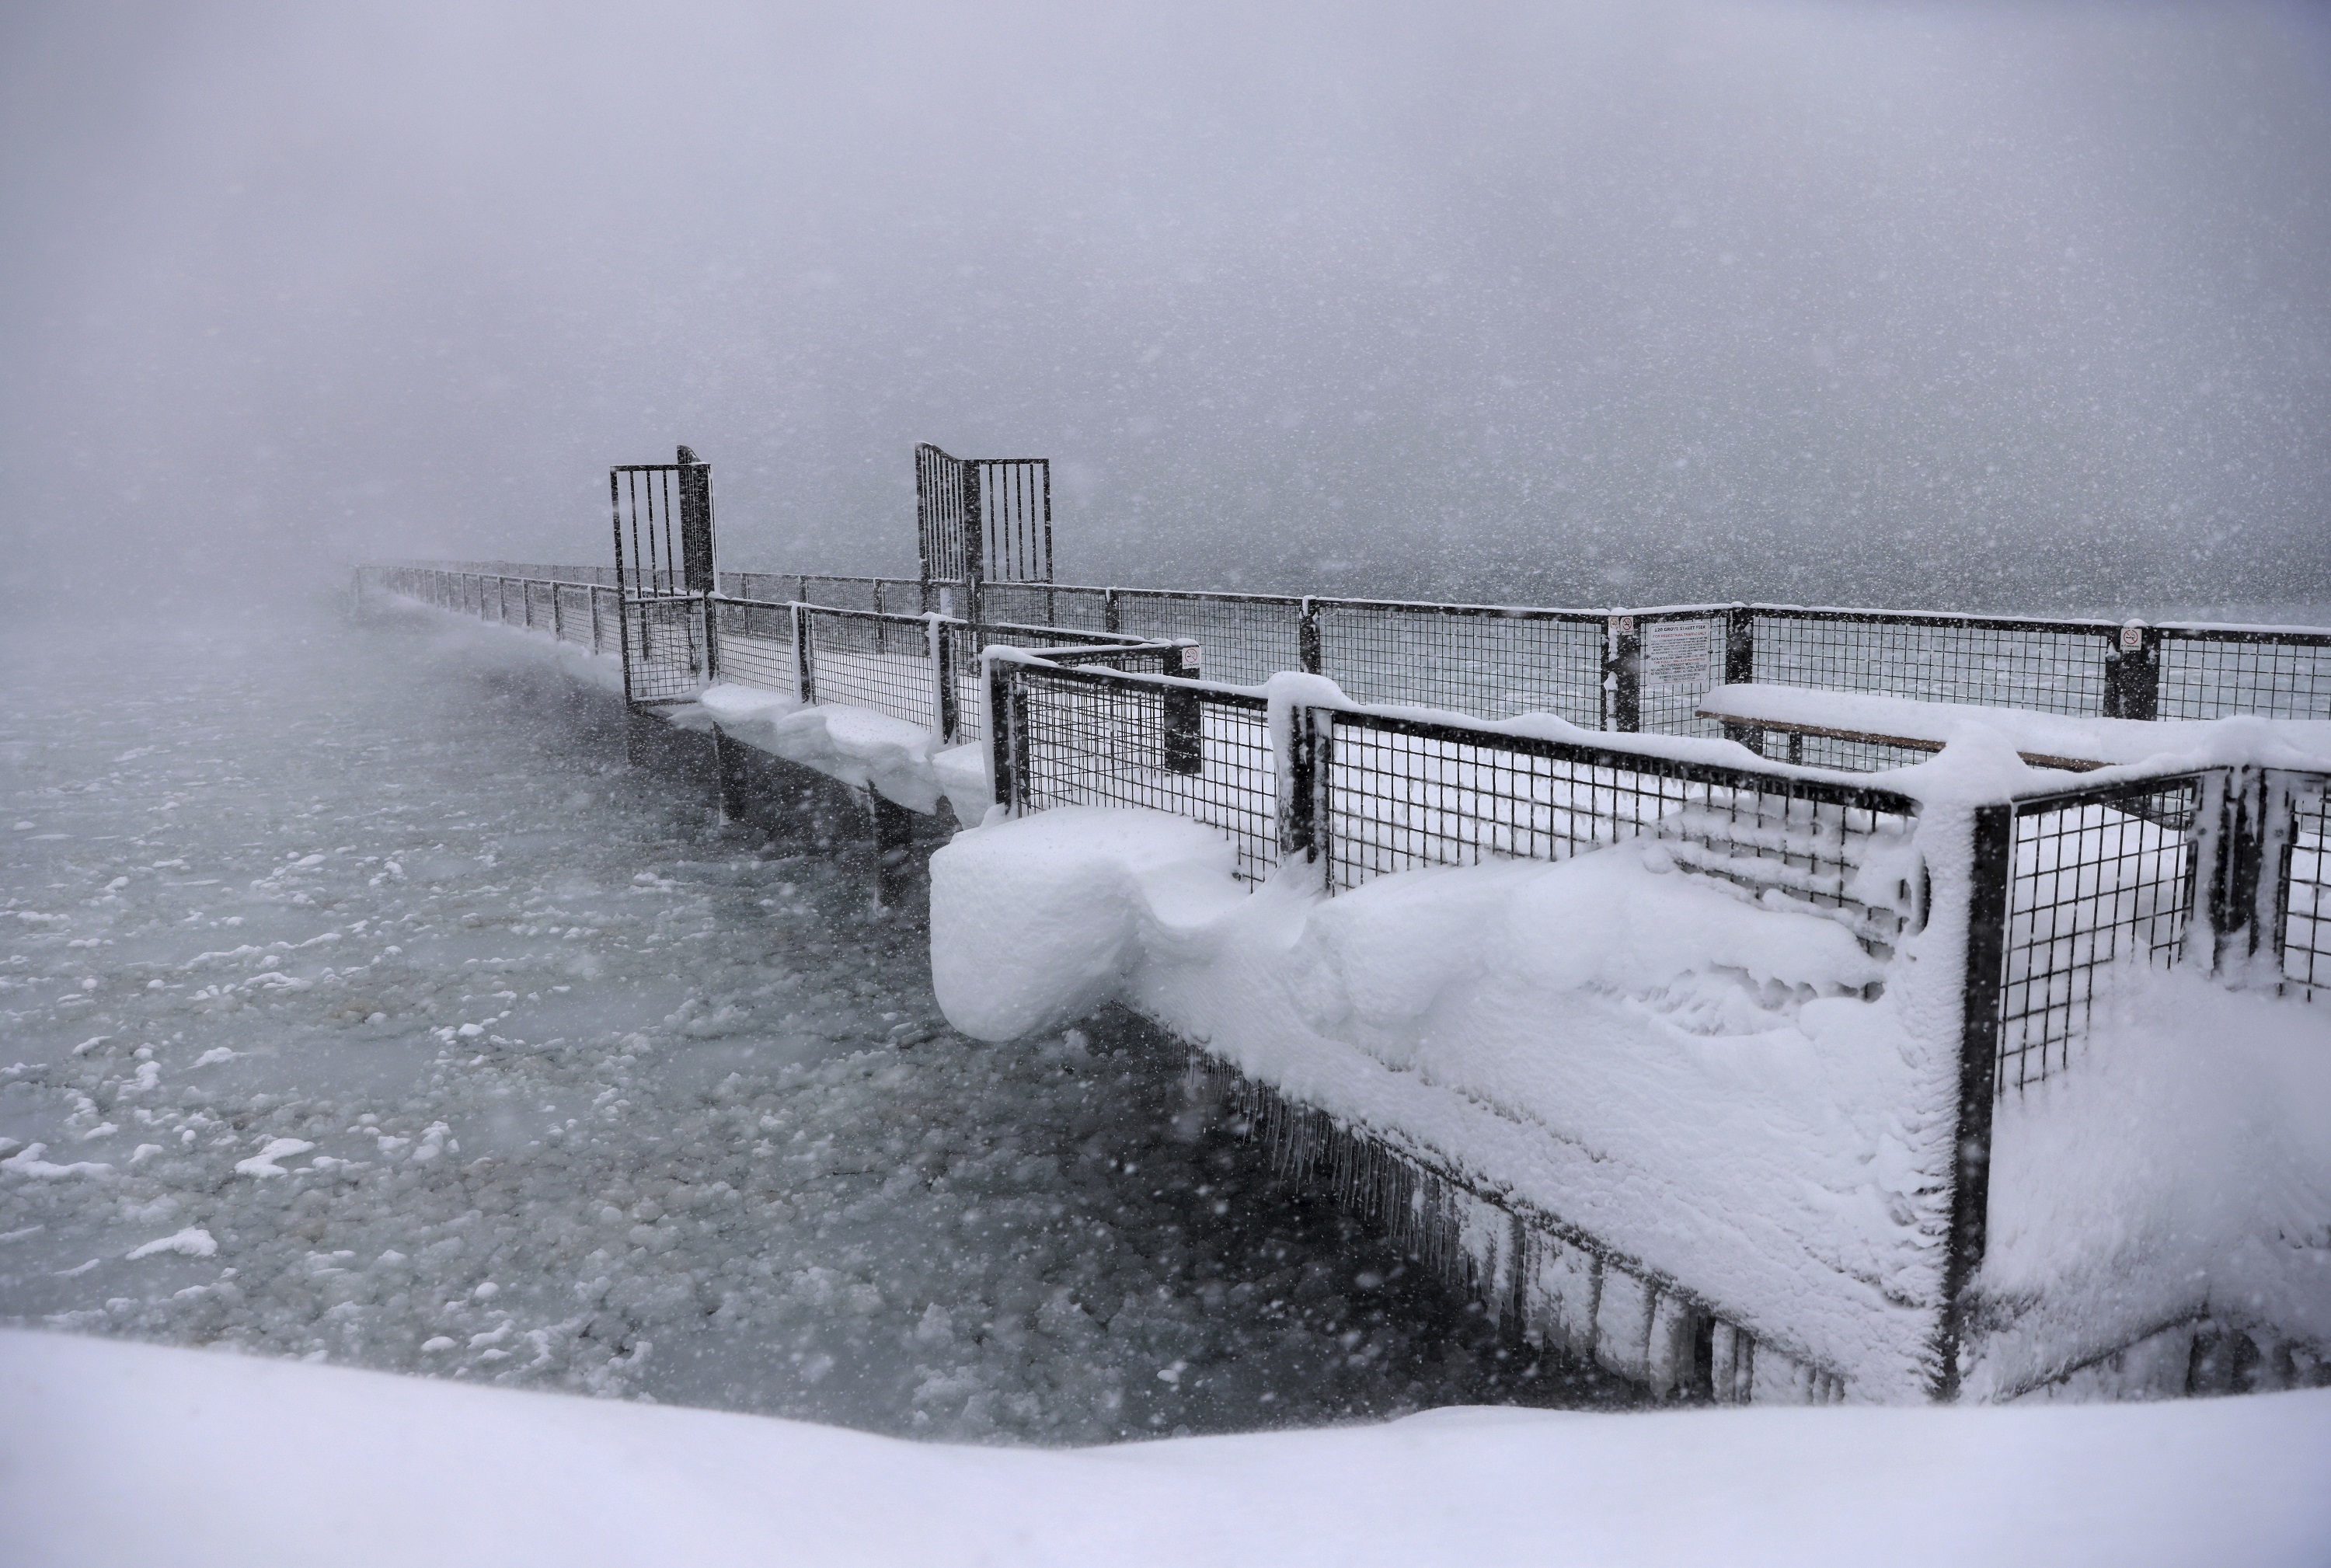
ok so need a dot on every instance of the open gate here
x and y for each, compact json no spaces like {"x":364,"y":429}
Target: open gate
{"x":665,"y":567}
{"x":980,"y":519}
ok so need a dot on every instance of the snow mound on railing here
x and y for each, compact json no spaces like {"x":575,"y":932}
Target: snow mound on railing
{"x":1719,"y":1085}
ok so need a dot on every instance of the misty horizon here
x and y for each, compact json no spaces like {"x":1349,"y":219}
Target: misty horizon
{"x":1978,"y":306}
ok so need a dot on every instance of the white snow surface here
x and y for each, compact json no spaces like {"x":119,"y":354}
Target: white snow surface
{"x":135,"y":1455}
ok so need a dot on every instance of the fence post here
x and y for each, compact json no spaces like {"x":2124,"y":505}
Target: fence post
{"x":1303,"y":829}
{"x":804,"y":674}
{"x":558,"y":613}
{"x":1622,"y":676}
{"x":594,"y":618}
{"x":2132,"y":673}
{"x":1989,"y":873}
{"x":1111,"y":617}
{"x":1007,"y":731}
{"x":1307,"y":637}
{"x":1185,"y":725}
{"x":2238,"y":809}
{"x":1740,"y":668}
{"x":944,"y":699}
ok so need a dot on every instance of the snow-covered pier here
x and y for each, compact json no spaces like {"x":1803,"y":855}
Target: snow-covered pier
{"x":1765,"y":1003}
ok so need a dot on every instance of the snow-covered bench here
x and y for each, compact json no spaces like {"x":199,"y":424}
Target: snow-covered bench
{"x":2043,"y":739}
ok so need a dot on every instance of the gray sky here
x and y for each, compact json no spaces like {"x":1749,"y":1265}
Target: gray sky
{"x":1972,"y":305}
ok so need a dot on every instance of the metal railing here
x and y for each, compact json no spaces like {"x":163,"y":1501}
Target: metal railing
{"x":1639,"y":670}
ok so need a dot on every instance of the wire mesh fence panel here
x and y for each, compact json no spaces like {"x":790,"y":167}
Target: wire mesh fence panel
{"x":665,"y":649}
{"x":1243,"y":639}
{"x":1093,"y":740}
{"x":851,"y":594}
{"x":570,"y":616}
{"x":2100,"y":878}
{"x":1682,"y":659}
{"x":2030,"y":666}
{"x":881,"y":662}
{"x":2304,"y":894}
{"x":2216,"y":675}
{"x":1044,"y":605}
{"x":1489,"y":663}
{"x":756,"y":645}
{"x":964,"y":647}
{"x":1404,"y":794}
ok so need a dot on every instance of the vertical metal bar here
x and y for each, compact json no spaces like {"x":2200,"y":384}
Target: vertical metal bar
{"x":1298,"y":807}
{"x":699,"y":564}
{"x":1183,"y":740}
{"x":1622,"y":676}
{"x":2233,"y":843}
{"x":2132,"y":673}
{"x":1047,"y":520}
{"x":944,"y":699}
{"x":804,"y":677}
{"x":1994,"y":831}
{"x":1007,"y":717}
{"x":1740,"y":668}
{"x":1112,"y":617}
{"x":1307,"y":637}
{"x":974,"y":546}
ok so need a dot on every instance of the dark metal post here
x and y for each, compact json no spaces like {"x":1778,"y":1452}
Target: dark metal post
{"x":2235,"y":829}
{"x":1740,"y":668}
{"x":1007,"y":722}
{"x":1307,"y":639}
{"x":1986,"y":963}
{"x":1622,"y":676}
{"x":974,"y":558}
{"x":1112,"y":616}
{"x":1185,"y":722}
{"x":2132,"y":673}
{"x":1302,"y":828}
{"x":946,"y":700}
{"x":805,"y":656}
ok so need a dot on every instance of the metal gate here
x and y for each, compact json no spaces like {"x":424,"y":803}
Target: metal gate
{"x":665,"y":566}
{"x":981,"y":519}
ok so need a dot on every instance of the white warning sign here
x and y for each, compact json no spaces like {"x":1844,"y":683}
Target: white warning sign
{"x":1679,"y":653}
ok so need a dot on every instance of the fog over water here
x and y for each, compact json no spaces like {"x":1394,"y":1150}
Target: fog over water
{"x":2015,"y":306}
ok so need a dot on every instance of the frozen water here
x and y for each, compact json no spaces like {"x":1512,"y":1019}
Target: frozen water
{"x":358,"y":1002}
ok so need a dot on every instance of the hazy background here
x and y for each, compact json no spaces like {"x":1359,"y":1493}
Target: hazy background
{"x":1977,"y":305}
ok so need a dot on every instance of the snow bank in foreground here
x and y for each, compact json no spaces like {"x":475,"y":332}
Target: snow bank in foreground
{"x":129,"y":1454}
{"x":1703,"y":1080}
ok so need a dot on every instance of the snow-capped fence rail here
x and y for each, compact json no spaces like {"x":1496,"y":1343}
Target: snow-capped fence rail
{"x":1644,"y":669}
{"x":1630,"y":670}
